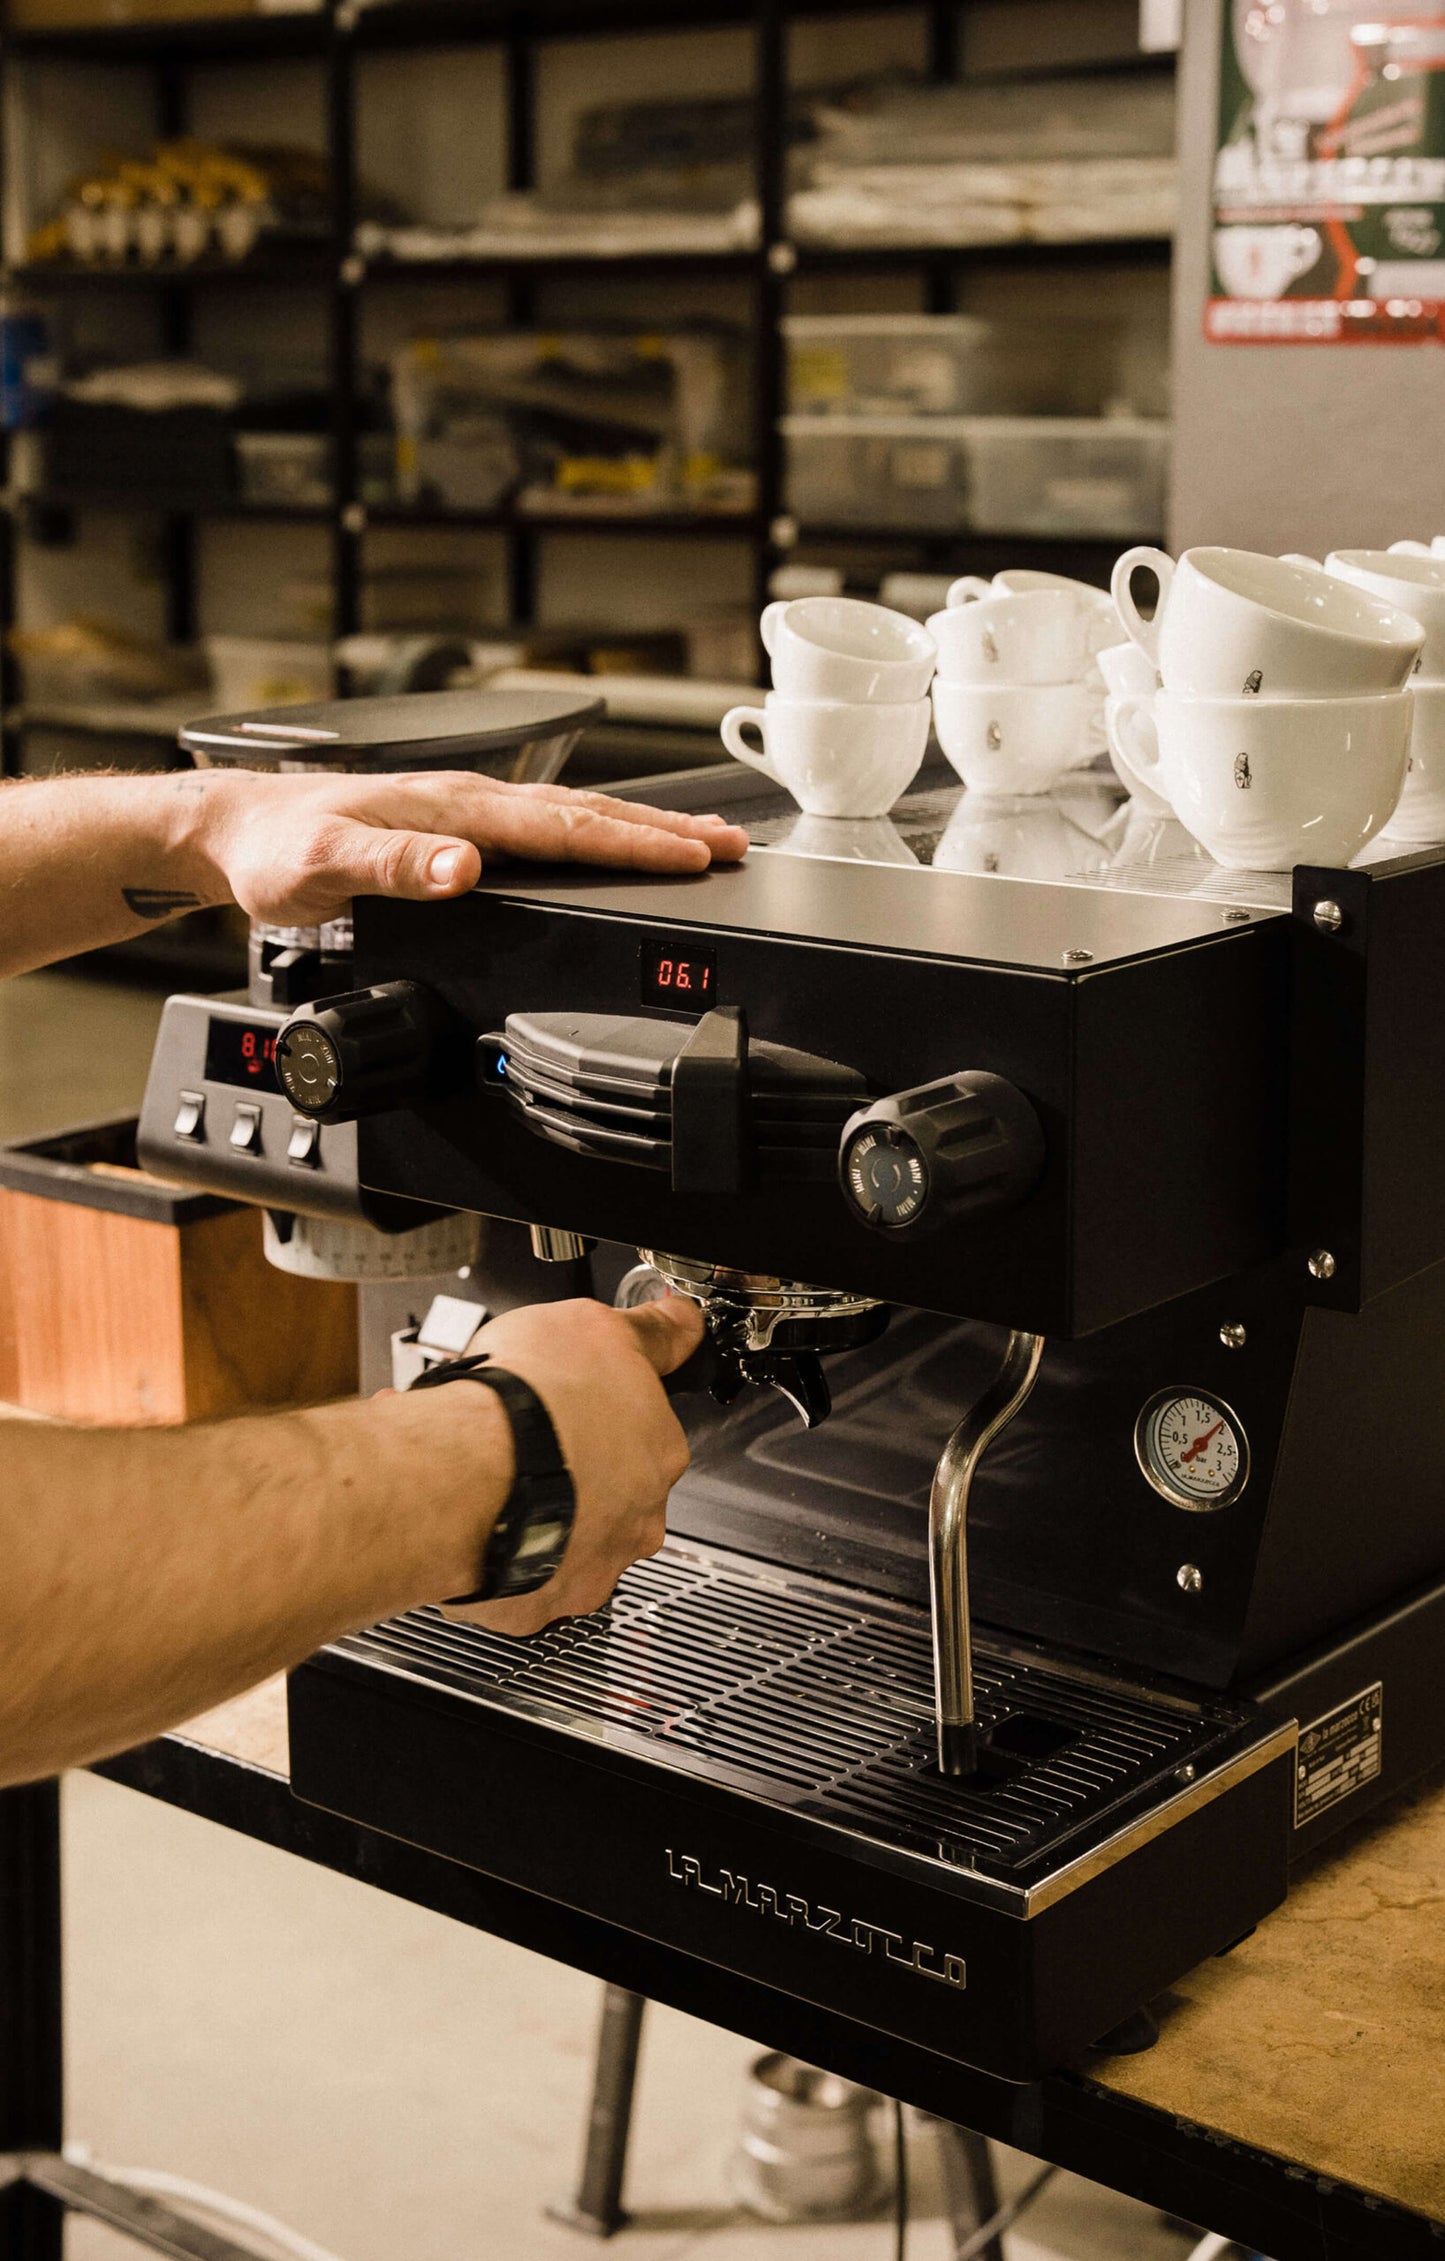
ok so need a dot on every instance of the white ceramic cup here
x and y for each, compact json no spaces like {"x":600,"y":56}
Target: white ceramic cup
{"x":1145,"y":788}
{"x":1012,"y":738}
{"x":1264,"y":785}
{"x":1038,"y":636}
{"x":845,"y":648}
{"x":1419,"y":818}
{"x":1125,"y":669}
{"x":847,"y":840}
{"x":1435,"y":547}
{"x":1412,"y":584}
{"x":1238,"y":624}
{"x":835,"y":758}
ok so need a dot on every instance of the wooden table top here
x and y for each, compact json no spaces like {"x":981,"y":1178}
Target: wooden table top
{"x":1321,"y":2039}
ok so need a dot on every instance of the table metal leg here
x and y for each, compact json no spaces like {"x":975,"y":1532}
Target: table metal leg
{"x":970,"y":2191}
{"x":597,"y":2207}
{"x":31,"y":2041}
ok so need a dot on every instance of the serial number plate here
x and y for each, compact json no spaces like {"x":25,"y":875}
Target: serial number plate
{"x":1339,"y":1753}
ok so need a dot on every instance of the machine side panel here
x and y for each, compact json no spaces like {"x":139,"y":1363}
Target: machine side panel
{"x":1357,"y":1507}
{"x":1368,"y":1074}
{"x":1180,"y":1068}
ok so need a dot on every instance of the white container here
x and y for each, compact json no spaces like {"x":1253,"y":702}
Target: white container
{"x":887,"y":471}
{"x":1085,"y":477}
{"x":255,"y":671}
{"x":946,"y":365}
{"x":1055,"y":475}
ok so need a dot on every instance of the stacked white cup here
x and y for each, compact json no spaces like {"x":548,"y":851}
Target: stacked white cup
{"x":1013,"y":700}
{"x":1412,"y":579}
{"x":845,"y":727}
{"x":1281,"y":728}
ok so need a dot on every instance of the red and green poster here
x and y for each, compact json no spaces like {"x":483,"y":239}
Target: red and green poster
{"x":1329,"y":174}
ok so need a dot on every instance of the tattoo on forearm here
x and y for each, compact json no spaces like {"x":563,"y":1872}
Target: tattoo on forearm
{"x":157,"y":902}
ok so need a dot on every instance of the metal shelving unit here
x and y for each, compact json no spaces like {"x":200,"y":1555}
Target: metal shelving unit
{"x":338,"y":34}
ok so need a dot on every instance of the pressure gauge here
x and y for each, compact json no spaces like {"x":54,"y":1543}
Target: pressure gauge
{"x":1193,"y":1449}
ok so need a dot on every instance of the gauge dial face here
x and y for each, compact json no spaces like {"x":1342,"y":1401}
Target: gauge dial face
{"x":1192,"y":1449}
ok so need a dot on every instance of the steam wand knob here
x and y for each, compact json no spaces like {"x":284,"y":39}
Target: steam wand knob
{"x":959,"y":1147}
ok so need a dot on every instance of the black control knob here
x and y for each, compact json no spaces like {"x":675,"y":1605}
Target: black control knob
{"x":959,"y":1147}
{"x":370,"y":1051}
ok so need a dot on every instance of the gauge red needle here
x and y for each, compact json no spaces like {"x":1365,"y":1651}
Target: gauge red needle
{"x":1200,"y":1442}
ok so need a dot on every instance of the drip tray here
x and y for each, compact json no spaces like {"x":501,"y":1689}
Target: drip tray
{"x":817,"y":1700}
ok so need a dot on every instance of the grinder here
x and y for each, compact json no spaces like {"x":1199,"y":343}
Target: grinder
{"x":216,"y":1113}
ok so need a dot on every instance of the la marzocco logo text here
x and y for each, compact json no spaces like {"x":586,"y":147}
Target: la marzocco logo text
{"x":829,"y":1923}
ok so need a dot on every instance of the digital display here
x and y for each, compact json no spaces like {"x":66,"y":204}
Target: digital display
{"x":676,"y":972}
{"x":241,"y":1052}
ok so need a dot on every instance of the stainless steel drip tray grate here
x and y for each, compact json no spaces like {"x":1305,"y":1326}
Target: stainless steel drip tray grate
{"x":820,"y":1699}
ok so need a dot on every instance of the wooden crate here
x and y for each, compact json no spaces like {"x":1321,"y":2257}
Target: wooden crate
{"x":126,"y":1300}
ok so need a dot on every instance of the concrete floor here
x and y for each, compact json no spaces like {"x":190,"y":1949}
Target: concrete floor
{"x":391,"y":2085}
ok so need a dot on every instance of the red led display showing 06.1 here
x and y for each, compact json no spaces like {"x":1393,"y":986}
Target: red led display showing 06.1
{"x":676,"y":971}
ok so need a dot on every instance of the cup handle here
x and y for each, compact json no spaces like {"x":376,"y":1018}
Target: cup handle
{"x":1138,"y":733}
{"x":1145,"y":633}
{"x":968,"y":589}
{"x":1297,"y":557}
{"x":1411,"y":549}
{"x":768,"y":625}
{"x":734,"y":722}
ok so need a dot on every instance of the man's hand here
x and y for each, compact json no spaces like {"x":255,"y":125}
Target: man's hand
{"x":295,"y":850}
{"x":596,"y":1371}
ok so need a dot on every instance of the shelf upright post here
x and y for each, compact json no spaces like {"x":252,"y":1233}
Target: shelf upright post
{"x":32,"y":2225}
{"x":520,"y":56}
{"x":348,"y":526}
{"x":178,"y":528}
{"x":945,"y":56}
{"x":776,"y":260}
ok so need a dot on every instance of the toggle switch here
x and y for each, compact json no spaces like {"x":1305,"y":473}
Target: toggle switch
{"x":246,"y":1129}
{"x":190,"y":1119}
{"x":304,"y":1149}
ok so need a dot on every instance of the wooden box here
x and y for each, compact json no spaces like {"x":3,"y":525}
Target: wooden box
{"x":126,"y":1300}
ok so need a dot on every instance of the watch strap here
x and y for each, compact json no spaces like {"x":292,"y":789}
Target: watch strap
{"x":529,"y":1538}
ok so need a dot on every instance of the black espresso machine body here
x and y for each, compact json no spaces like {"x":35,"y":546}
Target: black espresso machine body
{"x":1180,"y":1693}
{"x":1207,"y":1547}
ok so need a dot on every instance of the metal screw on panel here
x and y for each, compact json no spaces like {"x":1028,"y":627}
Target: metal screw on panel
{"x":1185,"y":1774}
{"x":1322,"y":1265}
{"x":1237,"y":918}
{"x":1190,"y":1578}
{"x":1232,"y":1335}
{"x":1078,"y":957}
{"x":1329,"y":918}
{"x":782,"y":258}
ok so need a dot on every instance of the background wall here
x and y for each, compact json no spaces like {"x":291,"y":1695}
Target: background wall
{"x":1287,"y":447}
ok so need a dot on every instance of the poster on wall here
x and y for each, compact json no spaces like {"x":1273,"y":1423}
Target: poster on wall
{"x":1329,"y":174}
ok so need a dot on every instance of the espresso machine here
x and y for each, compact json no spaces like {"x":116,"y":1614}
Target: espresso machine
{"x":1062,"y":1553}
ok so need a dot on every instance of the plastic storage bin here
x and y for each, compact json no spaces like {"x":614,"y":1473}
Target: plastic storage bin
{"x":1082,"y":477}
{"x":1037,"y":475}
{"x":948,"y":365}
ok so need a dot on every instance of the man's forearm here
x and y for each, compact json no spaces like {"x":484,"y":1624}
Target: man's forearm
{"x":151,"y":1573}
{"x":89,"y":860}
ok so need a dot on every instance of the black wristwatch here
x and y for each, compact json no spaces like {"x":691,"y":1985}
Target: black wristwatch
{"x":529,"y":1537}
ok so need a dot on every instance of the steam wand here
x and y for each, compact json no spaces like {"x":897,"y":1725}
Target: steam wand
{"x":948,"y":1549}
